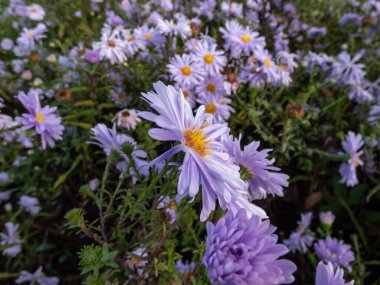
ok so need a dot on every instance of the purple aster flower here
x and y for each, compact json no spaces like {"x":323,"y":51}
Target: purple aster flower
{"x":206,"y":162}
{"x":302,"y":238}
{"x":185,"y":70}
{"x":35,"y":12}
{"x":242,"y":250}
{"x":325,"y":275}
{"x":206,"y":8}
{"x":170,"y":208}
{"x":42,"y":119}
{"x":266,"y":65}
{"x":356,"y":19}
{"x":334,"y":251}
{"x":359,"y":93}
{"x":150,"y":36}
{"x":109,"y":140}
{"x":4,"y":177}
{"x":111,"y":46}
{"x":173,"y":29}
{"x":212,"y":86}
{"x":37,"y":277}
{"x":346,"y":70}
{"x":92,"y":56}
{"x":218,"y":106}
{"x":28,"y":37}
{"x":30,"y":204}
{"x":4,"y":196}
{"x":184,"y":267}
{"x":6,"y":44}
{"x":374,"y":114}
{"x":191,"y":45}
{"x":241,"y":39}
{"x":314,"y":32}
{"x":232,"y":8}
{"x":213,"y":61}
{"x":119,"y":96}
{"x":347,"y":170}
{"x":263,"y":178}
{"x":327,"y":218}
{"x":320,"y":60}
{"x":251,"y":74}
{"x":12,"y":237}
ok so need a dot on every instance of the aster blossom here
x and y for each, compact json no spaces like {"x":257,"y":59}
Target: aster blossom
{"x":185,"y":70}
{"x":111,"y":46}
{"x":301,"y":239}
{"x":12,"y":237}
{"x":263,"y":178}
{"x":326,"y":275}
{"x":213,"y":60}
{"x":242,"y":250}
{"x":28,"y":37}
{"x":206,"y":162}
{"x":351,"y":146}
{"x":43,"y":119}
{"x":334,"y":251}
{"x":37,"y":277}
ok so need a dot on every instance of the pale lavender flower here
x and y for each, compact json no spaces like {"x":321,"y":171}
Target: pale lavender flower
{"x":35,"y":12}
{"x":184,"y":267}
{"x":150,"y":36}
{"x":346,"y":70}
{"x":301,"y":239}
{"x":30,"y":204}
{"x":6,"y":44}
{"x":325,"y":275}
{"x":170,"y":208}
{"x":43,"y":119}
{"x":4,"y":196}
{"x":211,"y":86}
{"x":127,"y":118}
{"x":28,"y":37}
{"x":185,"y":70}
{"x":263,"y":178}
{"x":206,"y":162}
{"x":232,"y":8}
{"x":334,"y":251}
{"x":351,"y":146}
{"x":314,"y":31}
{"x":250,"y":74}
{"x":92,"y":56}
{"x":356,"y":19}
{"x":37,"y":277}
{"x":172,"y":29}
{"x":213,"y":60}
{"x":111,"y":46}
{"x":266,"y":65}
{"x":191,"y":45}
{"x":320,"y":60}
{"x":119,"y":96}
{"x":359,"y":93}
{"x":93,"y":184}
{"x":327,"y":218}
{"x":4,"y":177}
{"x":12,"y":237}
{"x":242,"y":250}
{"x":137,"y":260}
{"x":206,"y":8}
{"x":373,"y":116}
{"x":218,"y":106}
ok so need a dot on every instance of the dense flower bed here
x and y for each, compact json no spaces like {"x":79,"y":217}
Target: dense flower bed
{"x":189,"y":142}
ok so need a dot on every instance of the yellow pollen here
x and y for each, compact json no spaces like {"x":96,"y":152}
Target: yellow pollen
{"x":148,"y":36}
{"x":211,"y":88}
{"x":208,"y":58}
{"x":245,"y":38}
{"x":39,"y":117}
{"x":31,"y":33}
{"x":195,"y":139}
{"x":186,"y":70}
{"x":211,"y":108}
{"x":267,"y":63}
{"x":172,"y":206}
{"x":356,"y":162}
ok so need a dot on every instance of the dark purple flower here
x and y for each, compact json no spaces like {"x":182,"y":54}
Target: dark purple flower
{"x":242,"y":250}
{"x":334,"y":251}
{"x":46,"y":123}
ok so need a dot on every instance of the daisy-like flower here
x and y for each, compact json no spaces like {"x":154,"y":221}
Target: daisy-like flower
{"x":211,"y":85}
{"x":213,"y":61}
{"x":267,"y":65}
{"x":30,"y":204}
{"x":347,"y":170}
{"x":131,"y":44}
{"x":37,"y":277}
{"x":206,"y":8}
{"x":206,"y":162}
{"x":286,"y":66}
{"x":359,"y":93}
{"x":347,"y":70}
{"x":28,"y":37}
{"x":6,"y":44}
{"x":191,"y":45}
{"x":188,"y":93}
{"x":232,"y":8}
{"x":301,"y":239}
{"x":184,"y":267}
{"x":111,"y":46}
{"x":150,"y":36}
{"x":185,"y":70}
{"x":119,"y":96}
{"x":127,"y":118}
{"x":218,"y":106}
{"x":35,"y":12}
{"x":109,"y":140}
{"x":242,"y":250}
{"x":43,"y":119}
{"x":172,"y":29}
{"x":263,"y":178}
{"x":12,"y":237}
{"x":326,"y":275}
{"x":241,"y":39}
{"x":334,"y":251}
{"x":251,"y":73}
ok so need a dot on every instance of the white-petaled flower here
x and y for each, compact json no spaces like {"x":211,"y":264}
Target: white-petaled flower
{"x":111,"y":46}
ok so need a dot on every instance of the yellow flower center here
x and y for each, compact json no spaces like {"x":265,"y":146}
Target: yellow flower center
{"x":31,"y":33}
{"x":186,"y":70}
{"x":267,"y":62}
{"x":120,"y":96}
{"x":356,"y":161}
{"x":245,"y":38}
{"x":211,"y":87}
{"x":195,"y":139}
{"x":148,"y":36}
{"x":211,"y":108}
{"x":208,"y":58}
{"x":135,"y":261}
{"x":172,"y":206}
{"x":39,"y":117}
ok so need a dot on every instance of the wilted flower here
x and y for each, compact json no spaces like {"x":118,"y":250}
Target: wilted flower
{"x":206,"y":162}
{"x":325,"y":275}
{"x":37,"y":277}
{"x":242,"y":250}
{"x":12,"y":237}
{"x":351,"y":146}
{"x":43,"y":119}
{"x":137,"y":261}
{"x":334,"y":251}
